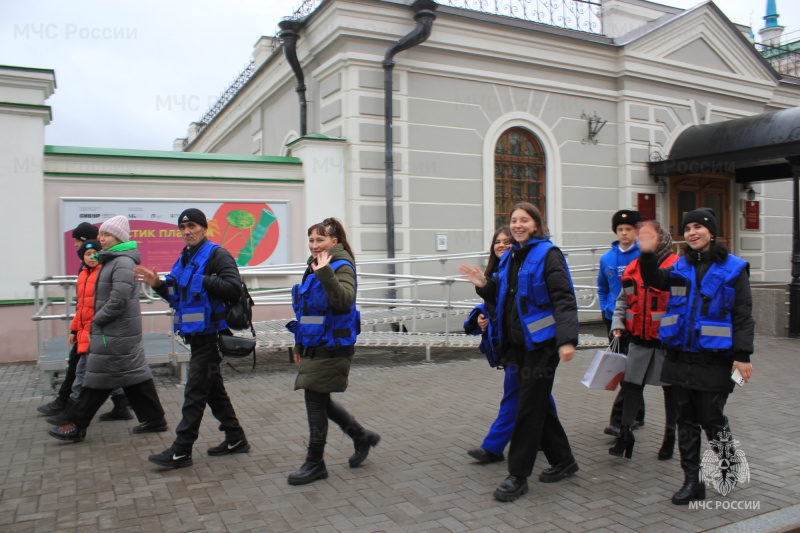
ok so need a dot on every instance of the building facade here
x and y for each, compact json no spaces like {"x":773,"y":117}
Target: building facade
{"x":493,"y":109}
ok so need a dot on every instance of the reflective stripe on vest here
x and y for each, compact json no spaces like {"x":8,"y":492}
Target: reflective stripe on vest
{"x":193,"y":317}
{"x":678,"y":290}
{"x":312,"y":319}
{"x":671,"y":320}
{"x":716,"y":331}
{"x":542,"y":323}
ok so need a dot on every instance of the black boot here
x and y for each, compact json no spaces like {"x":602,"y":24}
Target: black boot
{"x":120,"y":410}
{"x":363,"y":439}
{"x":689,"y":447}
{"x":668,"y":444}
{"x":671,"y":420}
{"x":312,"y":470}
{"x":692,"y":489}
{"x":60,"y":418}
{"x":624,"y":443}
{"x":615,"y":420}
{"x":59,"y":405}
{"x":367,"y":439}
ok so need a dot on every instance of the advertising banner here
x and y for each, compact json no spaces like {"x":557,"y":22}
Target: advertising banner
{"x":254,"y":232}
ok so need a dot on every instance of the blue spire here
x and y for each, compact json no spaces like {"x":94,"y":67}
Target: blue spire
{"x":771,"y":17}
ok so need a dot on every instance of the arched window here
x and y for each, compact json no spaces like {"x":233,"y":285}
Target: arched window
{"x":519,"y":172}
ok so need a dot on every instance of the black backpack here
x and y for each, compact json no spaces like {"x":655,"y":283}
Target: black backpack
{"x":239,"y":316}
{"x":239,"y":313}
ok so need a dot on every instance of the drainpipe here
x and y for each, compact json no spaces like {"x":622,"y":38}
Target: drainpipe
{"x":424,"y":16}
{"x":794,"y":286}
{"x":288,"y":36}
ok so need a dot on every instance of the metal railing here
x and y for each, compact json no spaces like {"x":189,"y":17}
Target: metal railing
{"x":784,"y":60}
{"x":579,"y":15}
{"x":419,"y":298}
{"x":48,"y":308}
{"x":411,"y":286}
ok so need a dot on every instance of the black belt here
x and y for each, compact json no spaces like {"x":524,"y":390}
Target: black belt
{"x":311,"y":352}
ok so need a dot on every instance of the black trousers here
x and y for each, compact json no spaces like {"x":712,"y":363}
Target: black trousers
{"x":320,"y":407}
{"x":142,"y":397}
{"x":615,"y":419}
{"x":696,"y":410}
{"x":537,"y":425}
{"x":69,"y":377}
{"x":204,"y":386}
{"x":631,"y":404}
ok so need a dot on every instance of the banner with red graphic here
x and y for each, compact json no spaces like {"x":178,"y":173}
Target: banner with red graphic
{"x":254,"y":232}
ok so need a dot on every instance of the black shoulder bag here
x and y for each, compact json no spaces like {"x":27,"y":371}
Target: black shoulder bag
{"x":239,"y":316}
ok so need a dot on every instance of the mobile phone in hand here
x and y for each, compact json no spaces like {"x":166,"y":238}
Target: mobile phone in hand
{"x":737,"y":377}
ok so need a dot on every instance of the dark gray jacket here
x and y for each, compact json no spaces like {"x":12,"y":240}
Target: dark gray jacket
{"x":116,"y":354}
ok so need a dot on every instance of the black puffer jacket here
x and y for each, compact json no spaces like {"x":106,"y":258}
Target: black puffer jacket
{"x":706,"y":371}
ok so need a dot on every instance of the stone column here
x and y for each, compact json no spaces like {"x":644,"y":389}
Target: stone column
{"x":323,"y":160}
{"x":23,"y":116}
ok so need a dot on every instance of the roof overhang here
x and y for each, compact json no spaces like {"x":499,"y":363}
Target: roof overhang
{"x":757,"y":148}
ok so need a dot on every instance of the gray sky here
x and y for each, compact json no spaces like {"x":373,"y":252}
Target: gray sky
{"x":134,"y":74}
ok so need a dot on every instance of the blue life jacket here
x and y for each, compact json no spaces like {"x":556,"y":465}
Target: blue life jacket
{"x":317,"y":324}
{"x":698,"y":319}
{"x":471,"y":328}
{"x":536,"y":311}
{"x":195,"y":312}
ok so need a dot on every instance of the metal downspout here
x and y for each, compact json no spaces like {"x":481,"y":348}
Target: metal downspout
{"x":289,"y":34}
{"x":424,"y":16}
{"x":794,"y":286}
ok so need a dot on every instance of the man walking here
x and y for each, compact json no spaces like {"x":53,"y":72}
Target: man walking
{"x":204,"y":276}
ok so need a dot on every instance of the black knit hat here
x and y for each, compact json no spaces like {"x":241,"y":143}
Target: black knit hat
{"x":85,"y":231}
{"x":193,"y":215}
{"x":91,"y":244}
{"x":625,"y":216}
{"x":704,"y":216}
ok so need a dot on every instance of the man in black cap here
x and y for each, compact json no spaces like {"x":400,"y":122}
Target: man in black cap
{"x":609,"y":284}
{"x":202,"y":279}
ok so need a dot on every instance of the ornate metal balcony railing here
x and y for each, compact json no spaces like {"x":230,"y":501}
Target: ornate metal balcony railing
{"x":784,"y":59}
{"x":580,"y":15}
{"x":227,"y":95}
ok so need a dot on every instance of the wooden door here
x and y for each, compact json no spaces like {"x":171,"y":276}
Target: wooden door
{"x":699,"y":190}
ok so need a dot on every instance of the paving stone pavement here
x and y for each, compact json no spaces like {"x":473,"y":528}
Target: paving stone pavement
{"x":418,"y":479}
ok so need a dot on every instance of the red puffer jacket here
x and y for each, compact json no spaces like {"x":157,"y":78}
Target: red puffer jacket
{"x":84,"y":311}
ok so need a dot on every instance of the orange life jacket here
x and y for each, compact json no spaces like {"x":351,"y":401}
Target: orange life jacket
{"x":646,"y":305}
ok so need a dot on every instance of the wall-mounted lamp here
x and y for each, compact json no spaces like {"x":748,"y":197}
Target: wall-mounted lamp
{"x":595,"y":124}
{"x":750,"y":192}
{"x":663,"y":186}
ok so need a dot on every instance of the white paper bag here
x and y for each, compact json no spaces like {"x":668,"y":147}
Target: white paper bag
{"x":607,"y":368}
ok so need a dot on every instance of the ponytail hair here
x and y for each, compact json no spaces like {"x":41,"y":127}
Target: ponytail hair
{"x":333,"y":228}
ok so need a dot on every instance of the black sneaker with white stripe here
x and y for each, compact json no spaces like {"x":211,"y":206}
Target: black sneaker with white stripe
{"x":240,"y":446}
{"x":169,"y":458}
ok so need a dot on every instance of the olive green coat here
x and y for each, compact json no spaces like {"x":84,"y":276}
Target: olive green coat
{"x":330,"y":374}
